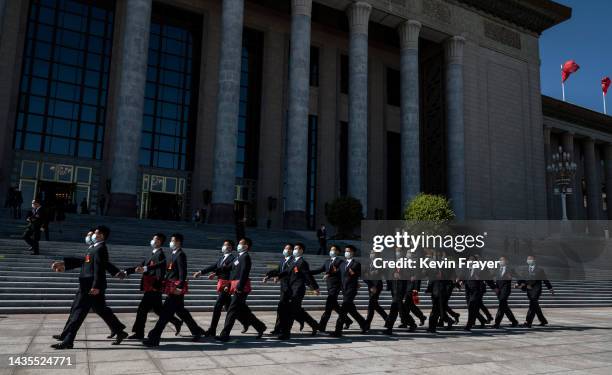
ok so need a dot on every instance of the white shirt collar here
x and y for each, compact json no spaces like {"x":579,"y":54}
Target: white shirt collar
{"x":98,"y":243}
{"x":175,"y":250}
{"x":297,"y":258}
{"x":156,"y":250}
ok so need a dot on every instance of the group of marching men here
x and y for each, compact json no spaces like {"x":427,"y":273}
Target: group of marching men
{"x":161,"y":274}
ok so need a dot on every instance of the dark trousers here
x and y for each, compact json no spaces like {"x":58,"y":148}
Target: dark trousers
{"x":348,"y":308}
{"x":485,"y":310}
{"x":374,"y":306}
{"x":504,"y":309}
{"x":438,"y":311}
{"x":474,"y":302}
{"x":238,"y":309}
{"x":534,"y":309}
{"x":174,"y":304}
{"x":410,"y":307}
{"x":32,"y":236}
{"x":223,"y":301}
{"x":151,"y":301}
{"x":322,"y":246}
{"x":292,"y":310}
{"x":83,"y":302}
{"x":331,"y":304}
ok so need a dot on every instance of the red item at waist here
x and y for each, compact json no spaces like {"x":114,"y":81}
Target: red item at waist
{"x":223,"y":285}
{"x":245,"y":289}
{"x":150,"y":283}
{"x":170,"y":287}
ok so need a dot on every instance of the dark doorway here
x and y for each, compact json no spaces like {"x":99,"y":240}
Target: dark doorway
{"x":164,"y":206}
{"x":56,"y":196}
{"x":394,"y":173}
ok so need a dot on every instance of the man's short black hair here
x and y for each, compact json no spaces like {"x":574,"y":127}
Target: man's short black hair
{"x":178,"y":236}
{"x":104,"y":230}
{"x":351,"y":248}
{"x":288,"y":244}
{"x":230,"y":242}
{"x":248,"y":241}
{"x":161,"y":236}
{"x":301,"y":246}
{"x":335,"y":246}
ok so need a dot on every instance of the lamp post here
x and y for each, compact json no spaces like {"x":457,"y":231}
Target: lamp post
{"x":562,"y":169}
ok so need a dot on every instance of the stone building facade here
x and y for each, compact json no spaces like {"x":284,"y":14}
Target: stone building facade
{"x":274,"y":108}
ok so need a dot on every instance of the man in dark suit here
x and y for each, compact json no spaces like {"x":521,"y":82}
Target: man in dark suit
{"x":399,"y":291}
{"x":285,"y":291}
{"x":153,"y":270}
{"x":91,"y":293}
{"x":412,"y":290}
{"x":175,"y":287}
{"x":111,"y":269}
{"x":475,"y":280}
{"x":322,"y":237}
{"x":221,"y":269}
{"x":37,"y":222}
{"x":240,"y":289}
{"x":299,"y":277}
{"x":531,"y":282}
{"x":350,"y":272}
{"x":503,"y":288}
{"x":331,"y":268}
{"x":437,"y":287}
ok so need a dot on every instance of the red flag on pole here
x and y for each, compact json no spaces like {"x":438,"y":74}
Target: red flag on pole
{"x":605,"y":84}
{"x":568,"y":68}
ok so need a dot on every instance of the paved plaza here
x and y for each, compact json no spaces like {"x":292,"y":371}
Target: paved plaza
{"x":576,"y":342}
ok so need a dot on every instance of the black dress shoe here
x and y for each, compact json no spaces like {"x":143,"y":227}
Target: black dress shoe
{"x":150,"y":343}
{"x":431,"y":330}
{"x":314,"y":332}
{"x":457,"y":318}
{"x":403,"y":325}
{"x":388,"y":331}
{"x":468,"y":329}
{"x":347,"y":325}
{"x":423,"y":319}
{"x":198,"y":335}
{"x":120,"y":337}
{"x":245,"y":329}
{"x":62,"y":345}
{"x":364,"y":330}
{"x":283,"y":337}
{"x":482,"y":325}
{"x":274,"y":333}
{"x":335,"y":334}
{"x":58,"y":337}
{"x":261,"y":331}
{"x":111,"y":335}
{"x":496,"y":325}
{"x":543,"y":324}
{"x":136,"y":337}
{"x":301,"y":326}
{"x":178,"y":327}
{"x":514,"y":324}
{"x":526,"y":325}
{"x":209,"y":333}
{"x":222,"y":338}
{"x":412,"y":328}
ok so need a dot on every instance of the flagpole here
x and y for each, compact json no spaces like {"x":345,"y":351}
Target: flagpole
{"x":562,"y":84}
{"x":603,"y":94}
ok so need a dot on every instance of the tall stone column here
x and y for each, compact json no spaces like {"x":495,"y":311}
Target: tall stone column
{"x":608,"y":175}
{"x":130,"y":107}
{"x":228,"y":99}
{"x":2,"y":7}
{"x":592,"y":179}
{"x":297,"y":130}
{"x":453,"y":53}
{"x":409,"y":109}
{"x":574,"y":199}
{"x":358,"y":17}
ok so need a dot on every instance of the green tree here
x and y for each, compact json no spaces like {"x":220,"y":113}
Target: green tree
{"x":431,"y":208}
{"x":344,"y":213}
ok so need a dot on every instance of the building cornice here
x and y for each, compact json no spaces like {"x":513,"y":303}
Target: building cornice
{"x":534,"y":15}
{"x":571,"y":113}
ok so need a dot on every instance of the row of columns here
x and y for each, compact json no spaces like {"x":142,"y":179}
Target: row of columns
{"x":584,"y":153}
{"x":130,"y":104}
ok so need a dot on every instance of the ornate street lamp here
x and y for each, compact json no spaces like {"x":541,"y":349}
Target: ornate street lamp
{"x":562,"y":169}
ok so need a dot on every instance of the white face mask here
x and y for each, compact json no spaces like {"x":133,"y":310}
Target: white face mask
{"x":88,"y":240}
{"x":285,"y":253}
{"x":348,"y":254}
{"x":153,"y":244}
{"x":531,"y":262}
{"x":296,"y":253}
{"x":332,"y":254}
{"x":94,"y":238}
{"x":502,"y":263}
{"x":225,"y":249}
{"x":173,"y":245}
{"x":241,"y":248}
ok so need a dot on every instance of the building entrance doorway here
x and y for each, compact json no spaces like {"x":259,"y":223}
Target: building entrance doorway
{"x":57,"y":196}
{"x":163,"y":206}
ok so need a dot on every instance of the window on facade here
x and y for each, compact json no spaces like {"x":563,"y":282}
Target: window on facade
{"x":64,"y":81}
{"x":311,"y":183}
{"x":170,"y":110}
{"x":393,"y":87}
{"x":344,"y":74}
{"x":314,"y":66}
{"x":343,"y":158}
{"x":250,"y":105}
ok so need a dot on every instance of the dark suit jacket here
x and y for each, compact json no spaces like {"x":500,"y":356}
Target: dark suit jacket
{"x":533,"y":281}
{"x":156,"y":267}
{"x":176,"y":268}
{"x":332,"y":269}
{"x":350,"y":273}
{"x":504,"y":283}
{"x":93,"y":267}
{"x":241,"y":269}
{"x":298,"y":275}
{"x":221,"y":267}
{"x":36,"y":218}
{"x":283,"y":265}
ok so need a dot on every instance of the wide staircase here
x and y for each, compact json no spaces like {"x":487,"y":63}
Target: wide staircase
{"x":27,"y":284}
